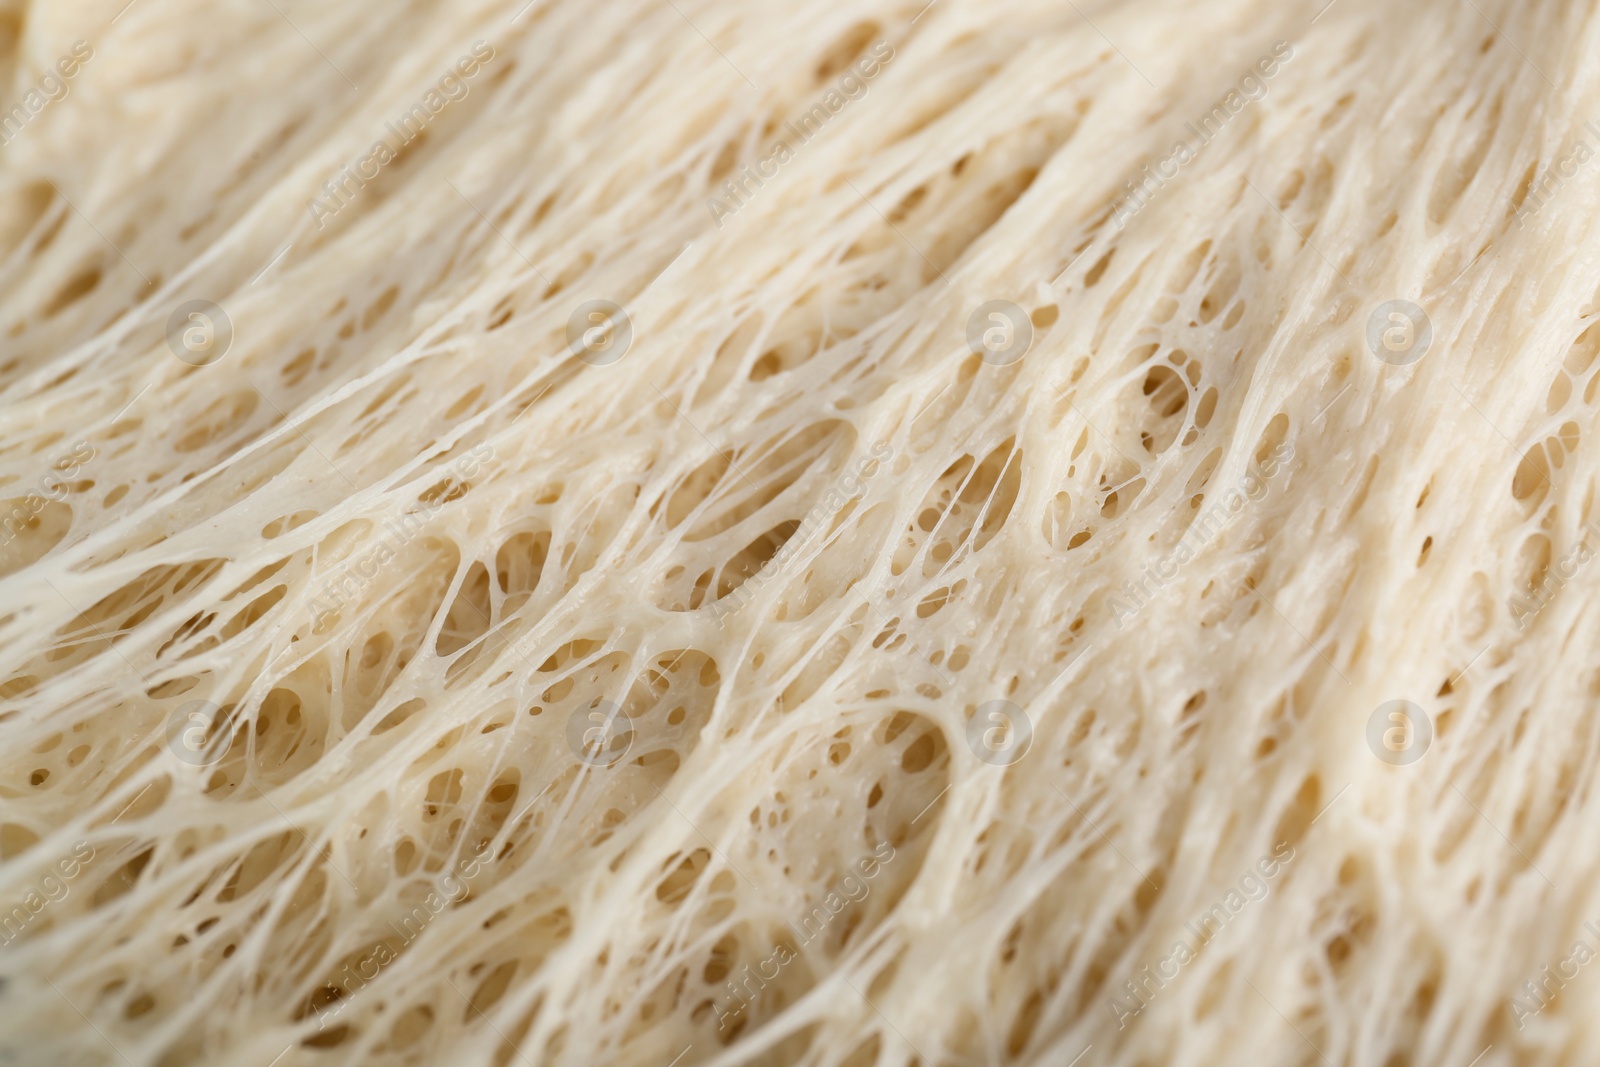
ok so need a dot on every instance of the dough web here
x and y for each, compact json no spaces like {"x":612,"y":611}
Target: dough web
{"x":388,"y":678}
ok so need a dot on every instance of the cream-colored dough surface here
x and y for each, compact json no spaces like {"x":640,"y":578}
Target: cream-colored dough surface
{"x":394,"y":673}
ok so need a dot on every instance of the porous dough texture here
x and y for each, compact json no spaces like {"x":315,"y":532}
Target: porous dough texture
{"x":402,"y":536}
